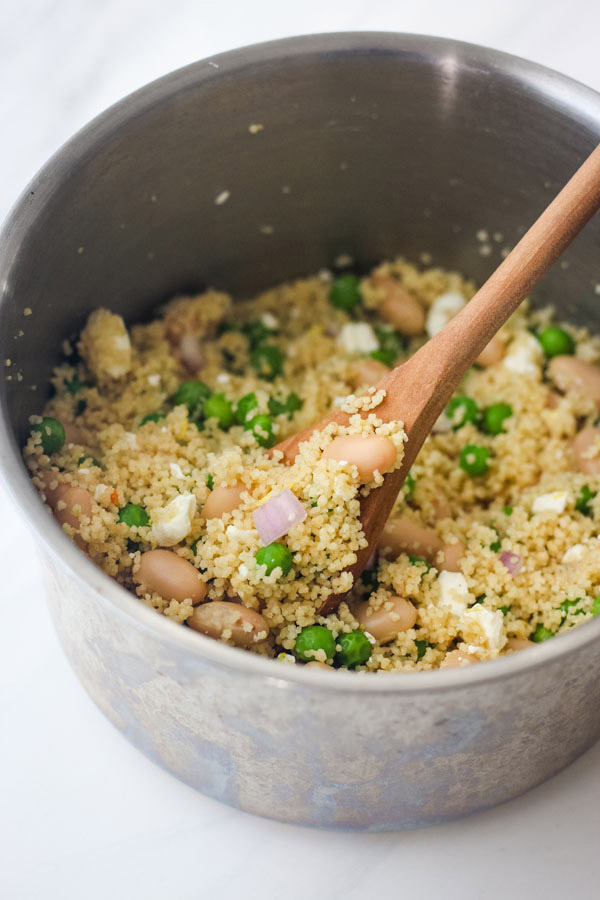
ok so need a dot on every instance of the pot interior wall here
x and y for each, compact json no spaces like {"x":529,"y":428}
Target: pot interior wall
{"x":370,"y":146}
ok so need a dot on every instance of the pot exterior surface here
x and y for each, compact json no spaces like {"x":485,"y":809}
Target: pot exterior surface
{"x":339,"y":760}
{"x":372,"y":145}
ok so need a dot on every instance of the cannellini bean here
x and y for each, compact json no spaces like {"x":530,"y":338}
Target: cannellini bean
{"x":451,"y":556}
{"x":246,"y":625}
{"x":367,"y":372}
{"x":514,"y":644}
{"x":553,"y":400}
{"x":366,"y":453}
{"x":315,"y":664}
{"x":190,"y":352}
{"x":580,"y":448}
{"x":389,"y":620}
{"x":399,"y":307}
{"x":457,"y":658}
{"x":78,"y":503}
{"x":403,"y":536}
{"x":222,"y":500}
{"x":441,"y":509}
{"x":571,"y":374}
{"x":74,"y":434}
{"x":492,"y":353}
{"x":170,"y":576}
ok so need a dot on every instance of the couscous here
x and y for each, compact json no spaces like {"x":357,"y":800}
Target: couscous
{"x":157,"y":455}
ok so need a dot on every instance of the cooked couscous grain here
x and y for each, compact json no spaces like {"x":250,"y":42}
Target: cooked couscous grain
{"x":155,"y":456}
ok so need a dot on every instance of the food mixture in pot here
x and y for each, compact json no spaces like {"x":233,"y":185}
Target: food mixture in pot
{"x":155,"y":455}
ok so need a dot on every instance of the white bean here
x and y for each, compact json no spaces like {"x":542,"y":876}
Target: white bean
{"x":458,"y":658}
{"x":385,"y":623}
{"x":513,"y":644}
{"x":403,"y":536}
{"x":222,"y":500}
{"x":492,"y":353}
{"x":580,"y":448}
{"x":367,"y":372}
{"x":399,"y":307}
{"x":366,"y":453}
{"x":571,"y":374}
{"x":245,"y":626}
{"x":170,"y":576}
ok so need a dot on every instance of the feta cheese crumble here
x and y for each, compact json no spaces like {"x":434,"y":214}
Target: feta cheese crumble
{"x":454,"y":592}
{"x":174,"y":521}
{"x":554,"y":502}
{"x":358,"y":337}
{"x":443,"y":308}
{"x":483,"y":627}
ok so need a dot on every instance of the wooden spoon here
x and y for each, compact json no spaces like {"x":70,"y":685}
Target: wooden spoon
{"x":419,"y":389}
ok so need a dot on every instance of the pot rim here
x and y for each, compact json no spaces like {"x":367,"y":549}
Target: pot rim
{"x":584,"y":103}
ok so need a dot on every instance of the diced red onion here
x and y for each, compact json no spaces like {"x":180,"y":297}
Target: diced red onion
{"x":511,"y":561}
{"x":275,"y":517}
{"x":190,"y":352}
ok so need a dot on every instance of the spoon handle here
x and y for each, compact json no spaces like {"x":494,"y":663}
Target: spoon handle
{"x":436,"y":370}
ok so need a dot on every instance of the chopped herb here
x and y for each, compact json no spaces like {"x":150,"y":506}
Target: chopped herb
{"x":76,"y":384}
{"x":596,"y":606}
{"x":152,"y":417}
{"x":504,"y":610}
{"x":507,"y":510}
{"x":582,"y":503}
{"x":91,"y":459}
{"x":210,"y":482}
{"x":421,"y":648}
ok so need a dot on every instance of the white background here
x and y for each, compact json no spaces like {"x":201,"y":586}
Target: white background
{"x":84,"y":815}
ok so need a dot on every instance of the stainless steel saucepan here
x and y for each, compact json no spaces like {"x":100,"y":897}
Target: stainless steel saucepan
{"x":372,"y":145}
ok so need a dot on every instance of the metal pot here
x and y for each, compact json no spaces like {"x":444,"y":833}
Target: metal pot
{"x":372,"y":145}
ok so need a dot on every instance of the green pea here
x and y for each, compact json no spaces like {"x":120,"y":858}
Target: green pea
{"x":462,"y":410}
{"x":344,"y":292}
{"x":556,"y":342}
{"x":76,"y":384}
{"x":261,"y":427}
{"x":355,"y":649}
{"x":315,"y":637}
{"x":541,"y":633}
{"x":152,"y":417}
{"x":268,"y":361}
{"x":582,"y":503}
{"x":275,"y":556}
{"x":191,"y":394}
{"x":53,"y":434}
{"x":132,"y":514}
{"x":474,"y":460}
{"x":245,"y":404}
{"x":494,"y":416}
{"x":596,"y":606}
{"x":220,"y":408}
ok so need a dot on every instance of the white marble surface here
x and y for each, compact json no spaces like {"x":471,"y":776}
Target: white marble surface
{"x":82,"y":814}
